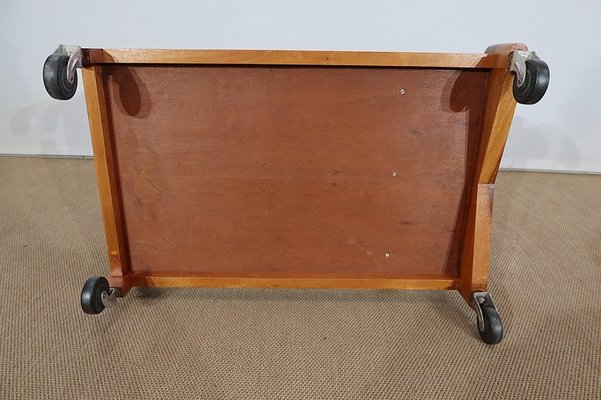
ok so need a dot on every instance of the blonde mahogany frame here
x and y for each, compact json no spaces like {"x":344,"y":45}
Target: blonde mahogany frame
{"x":499,"y":110}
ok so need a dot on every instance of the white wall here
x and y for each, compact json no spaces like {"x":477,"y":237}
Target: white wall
{"x":561,"y":132}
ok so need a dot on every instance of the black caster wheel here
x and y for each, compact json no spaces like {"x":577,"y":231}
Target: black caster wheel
{"x":91,"y":294}
{"x":491,"y":330}
{"x":56,"y":80}
{"x":536,"y":82}
{"x":488,"y":320}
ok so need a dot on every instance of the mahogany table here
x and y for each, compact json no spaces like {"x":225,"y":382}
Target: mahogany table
{"x":298,"y":169}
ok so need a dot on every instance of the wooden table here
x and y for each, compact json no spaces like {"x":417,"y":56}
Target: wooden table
{"x":296,"y":169}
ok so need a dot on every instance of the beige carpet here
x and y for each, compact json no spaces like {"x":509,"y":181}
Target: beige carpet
{"x":296,"y":344}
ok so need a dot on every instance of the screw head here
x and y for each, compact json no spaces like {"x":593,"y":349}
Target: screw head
{"x":387,"y":255}
{"x":402,"y":91}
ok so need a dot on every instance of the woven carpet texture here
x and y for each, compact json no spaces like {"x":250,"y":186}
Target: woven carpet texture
{"x":297,"y":344}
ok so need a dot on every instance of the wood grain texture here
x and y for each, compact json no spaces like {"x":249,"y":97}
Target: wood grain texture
{"x":498,"y":115}
{"x":288,"y":57}
{"x":476,"y":250}
{"x":500,"y":108}
{"x":294,"y":172}
{"x":409,"y":283}
{"x":105,"y":171}
{"x":481,"y":253}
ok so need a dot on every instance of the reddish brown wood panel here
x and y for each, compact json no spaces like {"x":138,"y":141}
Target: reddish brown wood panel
{"x":294,"y":171}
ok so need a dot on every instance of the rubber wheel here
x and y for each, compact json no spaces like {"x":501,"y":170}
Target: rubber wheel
{"x":535,"y":84}
{"x":493,"y":327}
{"x":91,"y":300}
{"x":55,"y":77}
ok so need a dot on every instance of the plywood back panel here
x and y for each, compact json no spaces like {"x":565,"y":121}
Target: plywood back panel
{"x":294,"y":171}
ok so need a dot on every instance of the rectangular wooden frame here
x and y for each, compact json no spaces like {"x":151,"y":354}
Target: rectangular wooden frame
{"x":499,"y":109}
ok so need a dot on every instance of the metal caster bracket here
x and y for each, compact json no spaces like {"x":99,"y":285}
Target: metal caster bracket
{"x":110,"y":299}
{"x":518,"y":64}
{"x":481,"y":299}
{"x":75,"y":58}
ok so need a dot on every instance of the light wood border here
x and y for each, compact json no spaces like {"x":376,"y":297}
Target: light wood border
{"x":289,"y":57}
{"x":476,"y":248}
{"x":499,"y":111}
{"x":106,"y":173}
{"x":416,"y":283}
{"x":498,"y":115}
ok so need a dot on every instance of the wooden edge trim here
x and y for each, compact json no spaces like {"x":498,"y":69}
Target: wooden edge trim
{"x":503,"y":52}
{"x":105,"y":170}
{"x":482,"y":236}
{"x":143,"y":280}
{"x":290,"y":57}
{"x":498,"y":114}
{"x":476,"y":251}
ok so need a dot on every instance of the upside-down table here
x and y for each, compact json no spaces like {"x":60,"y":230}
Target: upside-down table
{"x":298,"y":169}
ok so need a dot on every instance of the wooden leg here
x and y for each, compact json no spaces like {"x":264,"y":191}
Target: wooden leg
{"x":121,"y":283}
{"x":474,"y":264}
